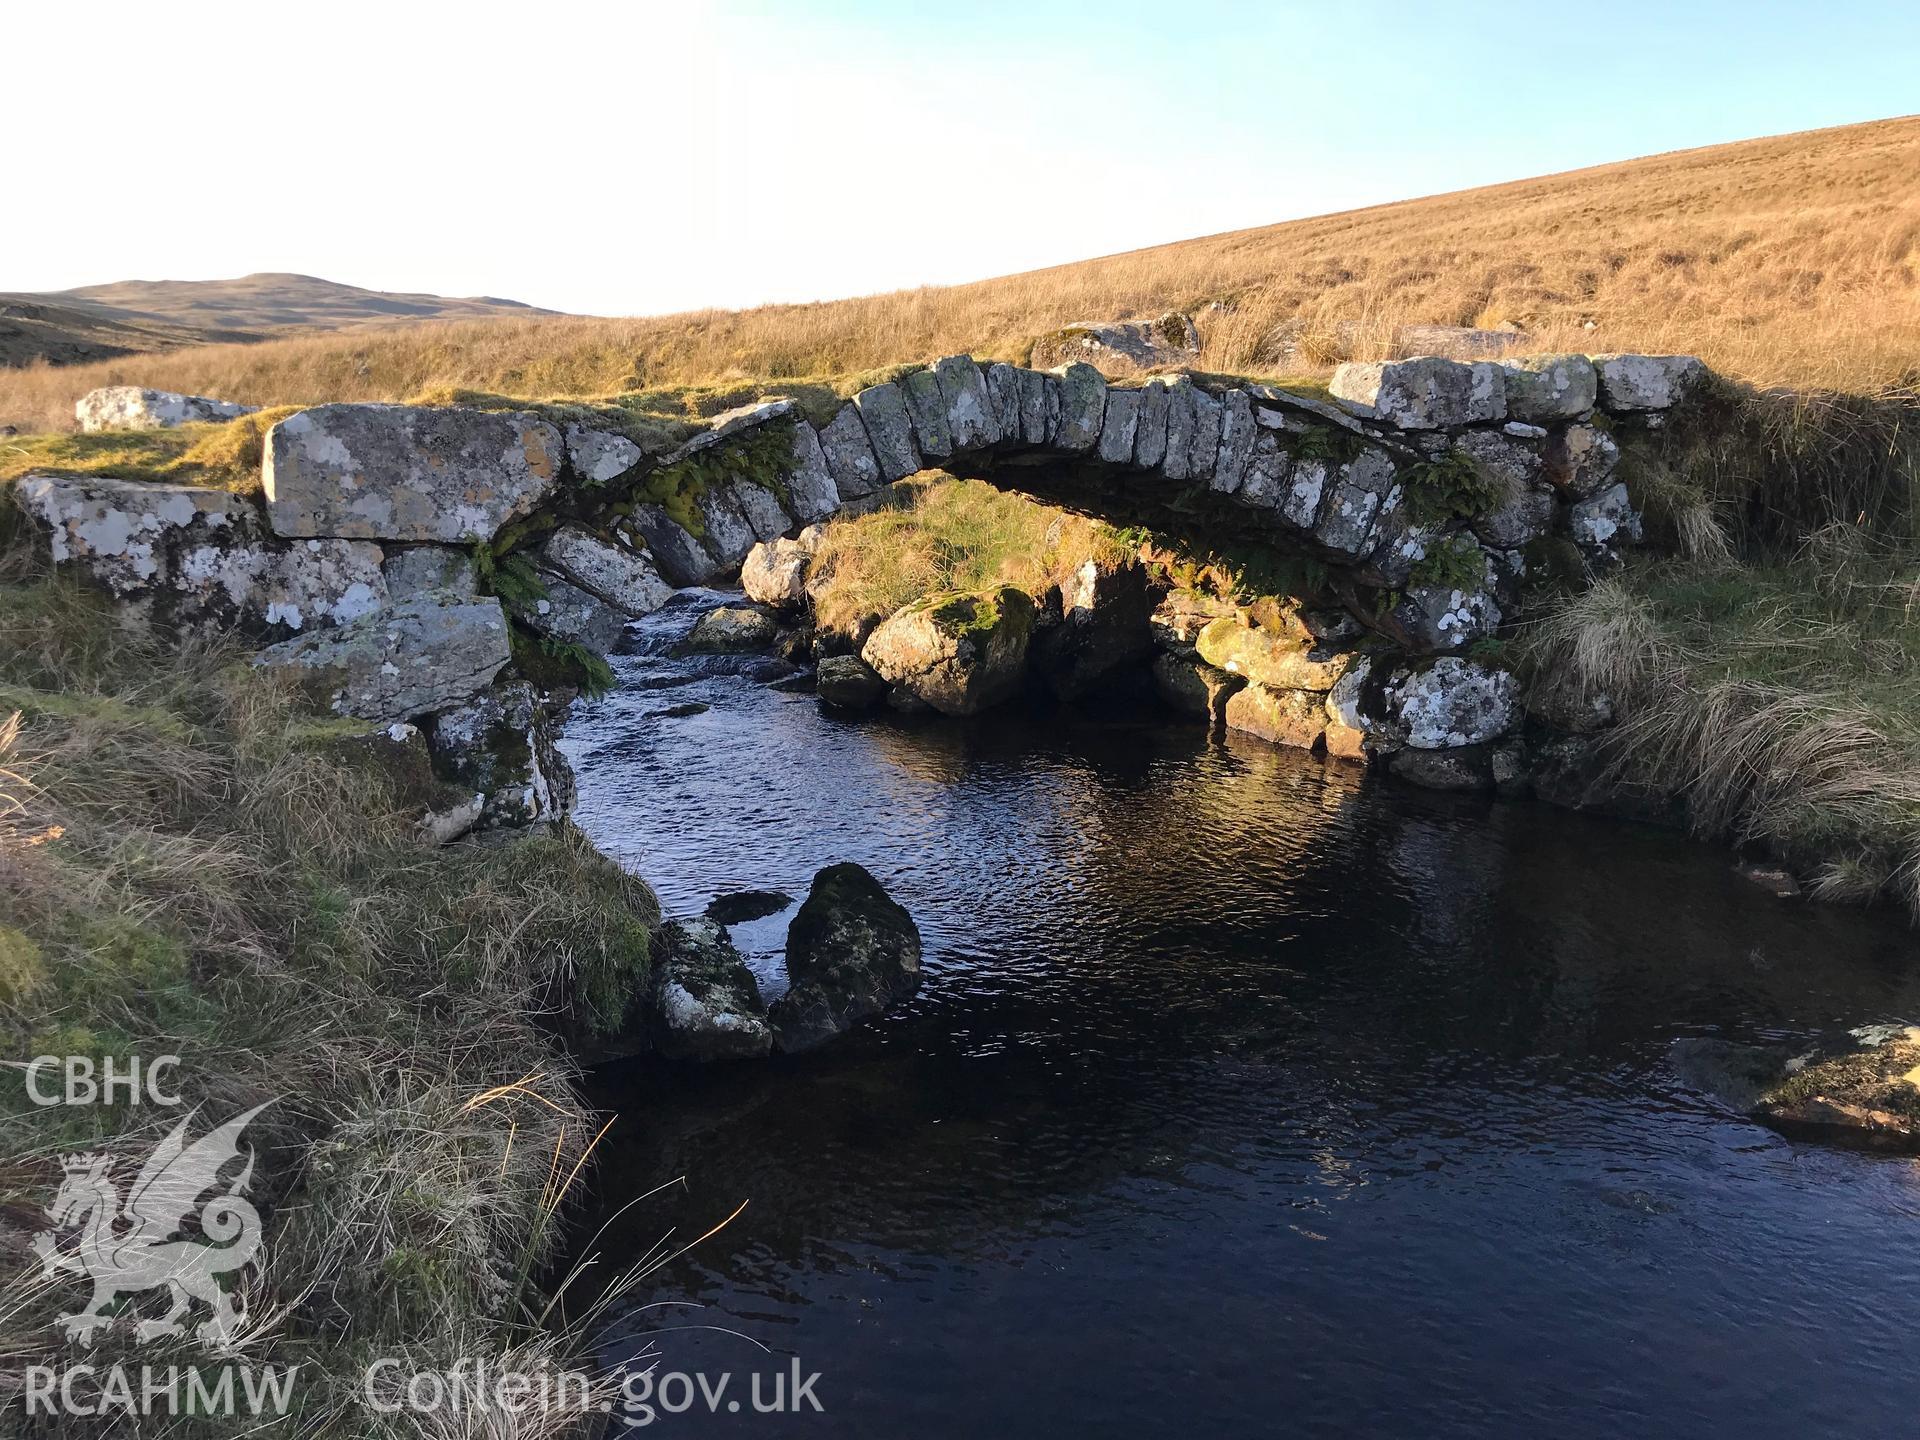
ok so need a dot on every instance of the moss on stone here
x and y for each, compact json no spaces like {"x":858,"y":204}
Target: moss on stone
{"x":1455,"y":563}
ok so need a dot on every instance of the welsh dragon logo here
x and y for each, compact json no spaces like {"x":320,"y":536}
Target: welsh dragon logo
{"x":128,"y":1248}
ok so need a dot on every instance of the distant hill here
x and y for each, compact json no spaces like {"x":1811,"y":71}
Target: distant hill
{"x":100,"y":322}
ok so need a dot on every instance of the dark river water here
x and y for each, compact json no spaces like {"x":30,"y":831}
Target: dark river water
{"x":1246,"y":1095}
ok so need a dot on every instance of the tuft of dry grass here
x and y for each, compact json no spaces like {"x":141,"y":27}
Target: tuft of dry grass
{"x":1780,"y":699}
{"x":1793,"y":260}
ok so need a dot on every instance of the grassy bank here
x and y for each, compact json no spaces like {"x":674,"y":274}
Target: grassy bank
{"x":192,"y":864}
{"x":930,"y":537}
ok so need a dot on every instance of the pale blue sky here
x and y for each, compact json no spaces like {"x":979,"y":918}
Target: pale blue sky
{"x":638,"y":158}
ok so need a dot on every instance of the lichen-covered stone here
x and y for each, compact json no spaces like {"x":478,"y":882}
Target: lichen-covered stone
{"x":411,"y":569}
{"x":1352,"y":731}
{"x":1451,"y":702}
{"x":853,"y":952}
{"x":970,"y":412}
{"x":1433,"y":618}
{"x":413,"y":658}
{"x":959,"y":654}
{"x":407,"y":472}
{"x":680,"y":559}
{"x":1355,"y":498}
{"x":1275,"y":659}
{"x":568,"y":613}
{"x":1646,"y":382}
{"x":1296,"y":718}
{"x":1121,"y":347}
{"x":600,"y":456}
{"x":849,"y":455}
{"x":927,"y":408}
{"x":702,"y":1002}
{"x":1425,"y":393}
{"x":1580,"y":460}
{"x":195,"y":556}
{"x":1204,"y":450}
{"x":761,"y":508}
{"x":1003,"y":387}
{"x":1542,"y":389}
{"x":1118,"y":425}
{"x":499,"y":745}
{"x":812,"y":494}
{"x":128,"y":407}
{"x":623,"y":579}
{"x":1238,"y":431}
{"x":775,"y":573}
{"x":1081,"y":407}
{"x":1150,"y":433}
{"x":725,"y":532}
{"x":1177,"y":451}
{"x":1604,"y":521}
{"x":883,"y":410}
{"x":1039,"y":407}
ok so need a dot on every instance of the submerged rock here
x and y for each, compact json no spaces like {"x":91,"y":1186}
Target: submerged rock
{"x":848,"y":682}
{"x":852,"y":952}
{"x":702,"y":1001}
{"x":732,"y":628}
{"x":958,"y":654}
{"x":737,"y":906}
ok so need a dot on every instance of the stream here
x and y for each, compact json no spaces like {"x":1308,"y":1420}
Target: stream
{"x":1246,"y":1094}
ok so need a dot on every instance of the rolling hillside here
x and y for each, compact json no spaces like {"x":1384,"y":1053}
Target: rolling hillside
{"x":1789,"y":260}
{"x":97,"y":322}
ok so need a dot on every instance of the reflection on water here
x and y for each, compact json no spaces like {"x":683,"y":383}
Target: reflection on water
{"x":1245,"y":1094}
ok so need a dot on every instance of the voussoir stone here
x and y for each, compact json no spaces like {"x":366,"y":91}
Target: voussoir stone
{"x":812,"y":493}
{"x":413,"y":658}
{"x":407,"y":472}
{"x":970,"y":409}
{"x":883,"y":410}
{"x":1238,"y":431}
{"x":927,"y":408}
{"x":679,"y":557}
{"x":849,"y":454}
{"x":128,"y":407}
{"x":1082,"y":395}
{"x":1117,"y":427}
{"x":1424,"y":393}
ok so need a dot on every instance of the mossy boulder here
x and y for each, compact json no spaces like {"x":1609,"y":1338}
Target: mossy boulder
{"x":1279,"y":658}
{"x":957,"y":653}
{"x":1868,"y":1096}
{"x":1296,"y":718}
{"x":852,"y":952}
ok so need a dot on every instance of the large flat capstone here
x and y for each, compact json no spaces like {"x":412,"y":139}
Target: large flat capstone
{"x":407,"y":472}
